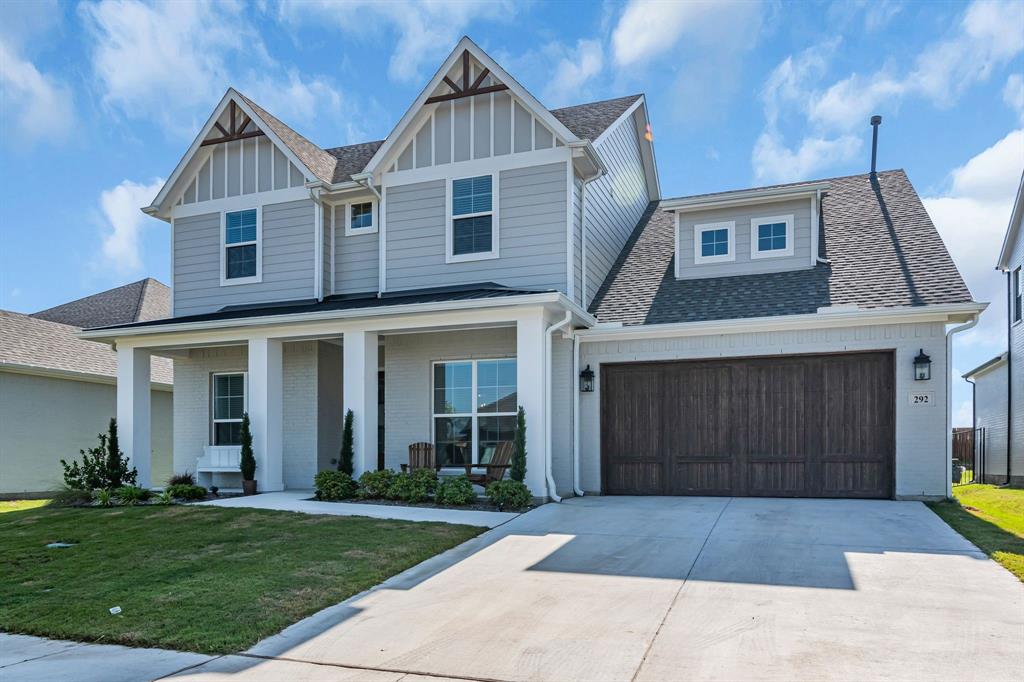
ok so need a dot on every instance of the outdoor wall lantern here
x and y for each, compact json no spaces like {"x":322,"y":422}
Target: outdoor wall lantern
{"x":922,"y":367}
{"x":587,"y":380}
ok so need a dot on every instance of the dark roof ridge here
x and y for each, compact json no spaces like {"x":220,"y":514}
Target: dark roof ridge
{"x":784,"y":185}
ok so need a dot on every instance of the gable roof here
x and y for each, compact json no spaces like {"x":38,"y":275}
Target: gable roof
{"x":37,"y":346}
{"x":146,"y":299}
{"x":1013,"y":229}
{"x":352,"y":159}
{"x":884,"y":252}
{"x":588,"y":121}
{"x":987,"y":366}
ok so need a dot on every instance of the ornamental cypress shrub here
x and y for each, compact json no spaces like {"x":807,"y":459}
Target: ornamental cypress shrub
{"x":248,"y":461}
{"x":114,"y":468}
{"x":518,"y":472}
{"x":345,"y":459}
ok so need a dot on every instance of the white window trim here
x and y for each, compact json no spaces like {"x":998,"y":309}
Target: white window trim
{"x":755,"y":224}
{"x":474,"y":415}
{"x":698,"y":230}
{"x":449,"y":241}
{"x":258,"y":277}
{"x":372,"y":229}
{"x":213,"y":404}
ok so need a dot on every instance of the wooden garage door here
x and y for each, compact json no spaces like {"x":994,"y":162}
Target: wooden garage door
{"x":803,"y":426}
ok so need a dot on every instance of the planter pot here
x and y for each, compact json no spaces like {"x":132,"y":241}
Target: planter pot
{"x":249,"y":487}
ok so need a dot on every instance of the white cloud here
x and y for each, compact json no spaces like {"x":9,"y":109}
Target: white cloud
{"x":573,"y":71}
{"x":1013,"y":94}
{"x":124,"y":222}
{"x":964,"y":413}
{"x":40,"y":107}
{"x":774,"y":161}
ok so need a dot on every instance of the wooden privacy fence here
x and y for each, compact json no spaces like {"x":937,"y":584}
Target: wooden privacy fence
{"x":968,"y":455}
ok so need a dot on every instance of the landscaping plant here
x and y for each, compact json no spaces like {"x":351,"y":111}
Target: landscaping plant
{"x":375,"y":484}
{"x":186,"y":492}
{"x":247,"y":463}
{"x":71,"y":497}
{"x":518,"y":469}
{"x":347,"y":453}
{"x":165,"y":498}
{"x":334,"y":485}
{"x":412,"y":487}
{"x":103,"y":498}
{"x":182,"y":479}
{"x":131,"y":494}
{"x":102,"y":467}
{"x":455,"y":491}
{"x":509,"y":494}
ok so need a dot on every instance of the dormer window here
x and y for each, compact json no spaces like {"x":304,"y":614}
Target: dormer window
{"x":714,"y":242}
{"x":771,"y":237}
{"x":472,"y":233}
{"x":240,"y":255}
{"x":361,"y":218}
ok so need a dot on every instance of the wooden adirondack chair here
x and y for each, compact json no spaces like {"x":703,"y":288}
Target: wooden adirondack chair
{"x":494,"y":466}
{"x":421,"y":456}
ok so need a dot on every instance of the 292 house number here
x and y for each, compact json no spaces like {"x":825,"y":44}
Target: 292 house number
{"x":922,"y":398}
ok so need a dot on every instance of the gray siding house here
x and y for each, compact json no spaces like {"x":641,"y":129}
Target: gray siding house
{"x":492,"y":253}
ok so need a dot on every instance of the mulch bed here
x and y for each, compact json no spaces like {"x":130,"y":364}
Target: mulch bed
{"x":481,"y":505}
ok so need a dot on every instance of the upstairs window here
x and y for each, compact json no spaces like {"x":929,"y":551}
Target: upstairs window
{"x":771,"y":237}
{"x":714,"y":242}
{"x":228,"y":408}
{"x":241,"y":254}
{"x":361,"y":218}
{"x":1018,"y":308}
{"x":472,"y":234}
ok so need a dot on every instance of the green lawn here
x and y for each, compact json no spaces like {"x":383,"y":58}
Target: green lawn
{"x":992,"y":518}
{"x":20,"y":505}
{"x":191,"y":578}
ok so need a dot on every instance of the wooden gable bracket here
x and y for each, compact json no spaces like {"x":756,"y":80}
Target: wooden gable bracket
{"x":466,"y":90}
{"x":237,"y":123}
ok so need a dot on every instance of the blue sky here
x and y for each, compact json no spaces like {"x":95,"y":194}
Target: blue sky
{"x":100,"y":99}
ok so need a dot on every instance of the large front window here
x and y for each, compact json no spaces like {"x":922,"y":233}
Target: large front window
{"x":472,"y":233}
{"x":228,"y":408}
{"x":474,"y":406}
{"x":241,"y":245}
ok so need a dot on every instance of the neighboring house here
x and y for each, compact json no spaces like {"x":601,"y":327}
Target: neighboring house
{"x":990,"y":384}
{"x":492,"y":253}
{"x":1011,"y":260}
{"x":57,"y":392}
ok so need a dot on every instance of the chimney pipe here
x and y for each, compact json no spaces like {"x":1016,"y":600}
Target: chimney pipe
{"x":876,"y":121}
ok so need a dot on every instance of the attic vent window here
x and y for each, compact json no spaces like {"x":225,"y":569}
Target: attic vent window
{"x":771,"y":237}
{"x":714,"y":242}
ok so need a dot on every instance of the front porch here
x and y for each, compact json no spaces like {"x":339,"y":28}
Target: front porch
{"x":452,"y":380}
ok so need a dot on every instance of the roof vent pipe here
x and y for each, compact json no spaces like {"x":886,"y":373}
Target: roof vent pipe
{"x":876,"y":121}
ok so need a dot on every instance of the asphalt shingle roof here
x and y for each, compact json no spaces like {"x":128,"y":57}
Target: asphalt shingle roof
{"x":146,"y":299}
{"x":588,"y":121}
{"x":884,"y":252}
{"x":352,"y":159}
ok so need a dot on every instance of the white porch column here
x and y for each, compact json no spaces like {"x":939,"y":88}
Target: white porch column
{"x":530,"y":378}
{"x":360,"y":396}
{"x":133,"y":409}
{"x":265,"y":411}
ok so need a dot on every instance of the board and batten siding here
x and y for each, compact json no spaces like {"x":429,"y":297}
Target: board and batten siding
{"x":240,"y":167}
{"x":532,"y":214}
{"x":288,"y":259}
{"x":800,"y":209}
{"x":615,"y":201}
{"x":356,"y":258}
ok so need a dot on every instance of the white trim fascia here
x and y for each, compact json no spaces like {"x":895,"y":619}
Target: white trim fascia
{"x":815,"y":227}
{"x":318,"y":246}
{"x":499,"y":74}
{"x":821,"y":320}
{"x":372,"y":229}
{"x":755,"y":225}
{"x":334,"y":235}
{"x":449,"y":238}
{"x":986,"y":367}
{"x":72,"y":375}
{"x":553,"y":298}
{"x":241,"y":202}
{"x":740,"y":198}
{"x":1013,"y":229}
{"x":626,"y":114}
{"x":698,"y":230}
{"x":486,"y":166}
{"x":224,"y":281}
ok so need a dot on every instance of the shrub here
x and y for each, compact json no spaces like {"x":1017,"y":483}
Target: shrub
{"x":347,"y":453}
{"x":374,"y":484}
{"x":518,"y":469}
{"x":130,"y":494}
{"x":185,"y":478}
{"x":102,"y":467}
{"x":186,"y":492}
{"x":247,"y":464}
{"x":334,"y":485}
{"x":103,"y":498}
{"x":165,"y":498}
{"x":414,"y":487}
{"x":71,"y":497}
{"x":509,"y":494}
{"x":456,"y":490}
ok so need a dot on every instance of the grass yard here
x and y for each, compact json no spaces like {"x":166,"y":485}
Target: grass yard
{"x":992,"y":518}
{"x":194,"y":579}
{"x":20,"y":505}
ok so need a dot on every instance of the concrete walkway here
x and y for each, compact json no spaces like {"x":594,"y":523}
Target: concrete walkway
{"x":298,"y":501}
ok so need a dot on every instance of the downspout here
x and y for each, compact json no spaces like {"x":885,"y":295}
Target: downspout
{"x":576,"y":488}
{"x":978,"y":466}
{"x":949,"y":399}
{"x":816,"y":229}
{"x":318,"y":247}
{"x":552,"y":491}
{"x":366,"y":180}
{"x":1009,"y":373}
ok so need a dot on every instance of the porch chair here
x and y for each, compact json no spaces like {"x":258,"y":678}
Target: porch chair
{"x":421,"y":456}
{"x":495,"y":463}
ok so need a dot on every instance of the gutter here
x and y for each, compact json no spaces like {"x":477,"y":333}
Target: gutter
{"x":318,"y":247}
{"x":576,"y":487}
{"x":552,"y":490}
{"x":741,"y":197}
{"x":1009,"y":368}
{"x":949,"y":399}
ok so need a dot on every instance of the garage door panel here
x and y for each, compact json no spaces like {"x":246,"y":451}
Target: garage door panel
{"x":776,"y":479}
{"x":630,"y":403}
{"x":854,"y":479}
{"x":711,"y":477}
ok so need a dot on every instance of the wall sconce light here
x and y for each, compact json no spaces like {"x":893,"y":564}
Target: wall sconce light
{"x":587,"y":380}
{"x":922,"y":367}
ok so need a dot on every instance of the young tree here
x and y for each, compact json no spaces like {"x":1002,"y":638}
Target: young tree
{"x":114,"y":468}
{"x":248,"y":461}
{"x":518,"y":472}
{"x":347,"y":453}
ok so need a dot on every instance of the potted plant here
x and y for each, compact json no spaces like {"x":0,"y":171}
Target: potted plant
{"x":247,"y":463}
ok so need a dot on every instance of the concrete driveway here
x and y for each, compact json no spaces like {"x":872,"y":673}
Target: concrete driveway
{"x":658,"y":589}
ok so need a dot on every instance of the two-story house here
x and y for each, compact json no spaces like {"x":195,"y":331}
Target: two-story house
{"x":491,"y":253}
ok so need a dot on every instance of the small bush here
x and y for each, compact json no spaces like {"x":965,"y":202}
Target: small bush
{"x":425,"y":477}
{"x":375,"y":484}
{"x":509,"y":494}
{"x":185,"y":478}
{"x":164,"y":498}
{"x":456,"y":490}
{"x":71,"y":497}
{"x":130,"y":494}
{"x":103,"y":466}
{"x":411,"y":487}
{"x":103,"y":498}
{"x":247,"y":463}
{"x":334,"y":485}
{"x":186,"y":492}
